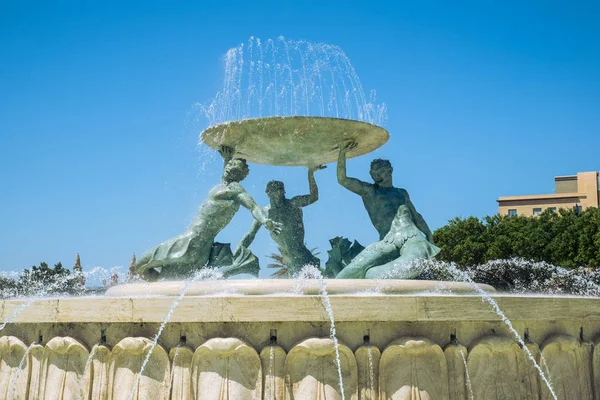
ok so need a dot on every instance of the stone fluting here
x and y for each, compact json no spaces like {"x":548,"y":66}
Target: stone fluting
{"x":229,"y":368}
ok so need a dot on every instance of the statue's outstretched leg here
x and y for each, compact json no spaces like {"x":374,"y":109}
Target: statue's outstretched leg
{"x":407,"y":266}
{"x":397,"y":269}
{"x":375,"y":254}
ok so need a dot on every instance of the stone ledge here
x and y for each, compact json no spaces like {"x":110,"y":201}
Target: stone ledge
{"x":257,"y":287}
{"x":305,"y":308}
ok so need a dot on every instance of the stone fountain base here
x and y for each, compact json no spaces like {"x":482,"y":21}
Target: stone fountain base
{"x":278,"y":346}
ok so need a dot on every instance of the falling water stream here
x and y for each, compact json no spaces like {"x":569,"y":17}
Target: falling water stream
{"x":203,"y":274}
{"x":311,"y":272}
{"x":88,"y":364}
{"x":160,"y":330}
{"x":173,"y":365}
{"x":486,"y":297}
{"x":273,"y":391}
{"x":16,"y":312}
{"x":467,"y":377}
{"x":371,"y":372}
{"x":282,"y":77}
{"x":332,"y":334}
{"x":14,"y":380}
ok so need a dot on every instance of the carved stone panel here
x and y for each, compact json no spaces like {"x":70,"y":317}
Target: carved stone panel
{"x":531,"y":377}
{"x":459,"y":382}
{"x":14,"y":374}
{"x":311,"y":371}
{"x":126,"y":362}
{"x":273,"y":364}
{"x":596,"y":369}
{"x":62,"y":370}
{"x":500,"y":370}
{"x":413,"y":369}
{"x":36,"y":357}
{"x":226,"y":368}
{"x":569,"y":361}
{"x":99,"y":365}
{"x":181,"y":364}
{"x":367,"y":360}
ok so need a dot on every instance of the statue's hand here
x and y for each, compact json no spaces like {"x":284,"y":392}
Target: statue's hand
{"x":348,"y":145}
{"x":226,"y":152}
{"x":345,"y":146}
{"x":273,"y":226}
{"x":316,"y":168}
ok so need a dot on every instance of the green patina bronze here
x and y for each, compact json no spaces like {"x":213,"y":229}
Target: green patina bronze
{"x":307,"y":141}
{"x":403,"y":233}
{"x":381,"y":198}
{"x":391,"y":257}
{"x":288,"y":213}
{"x":195,"y":249}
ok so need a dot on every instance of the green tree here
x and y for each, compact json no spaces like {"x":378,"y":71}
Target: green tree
{"x":43,"y":280}
{"x":568,"y":238}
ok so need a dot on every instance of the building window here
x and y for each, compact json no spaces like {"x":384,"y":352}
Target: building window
{"x":552,"y":209}
{"x":537,"y":211}
{"x":512,"y":213}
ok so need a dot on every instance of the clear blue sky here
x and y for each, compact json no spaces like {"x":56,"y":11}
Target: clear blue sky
{"x":98,"y":139}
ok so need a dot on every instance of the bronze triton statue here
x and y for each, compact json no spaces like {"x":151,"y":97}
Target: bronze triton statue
{"x":195,"y":249}
{"x":288,"y":213}
{"x":393,"y":256}
{"x":381,"y":198}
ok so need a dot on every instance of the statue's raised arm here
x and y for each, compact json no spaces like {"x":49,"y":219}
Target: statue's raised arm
{"x":354,"y":185}
{"x":313,"y":195}
{"x":226,"y":153}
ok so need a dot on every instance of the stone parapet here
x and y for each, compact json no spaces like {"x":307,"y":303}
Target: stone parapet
{"x":279,"y":347}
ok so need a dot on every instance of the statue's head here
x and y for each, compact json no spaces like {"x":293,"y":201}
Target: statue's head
{"x":236,"y":170}
{"x":381,"y":171}
{"x":275,"y":190}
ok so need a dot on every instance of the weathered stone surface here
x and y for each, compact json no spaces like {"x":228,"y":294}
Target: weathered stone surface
{"x":226,"y":368}
{"x":294,"y":140}
{"x":62,"y":370}
{"x":126,"y":362}
{"x":531,"y":377}
{"x":273,"y":364}
{"x":13,"y":380}
{"x":311,"y":371}
{"x":497,"y":366}
{"x":36,"y":357}
{"x":99,"y":372}
{"x":413,"y":369}
{"x":181,"y":365}
{"x":596,"y":369}
{"x":367,"y":360}
{"x":459,"y":383}
{"x":569,"y":362}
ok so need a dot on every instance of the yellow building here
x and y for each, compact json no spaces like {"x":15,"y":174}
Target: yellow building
{"x":581,"y":191}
